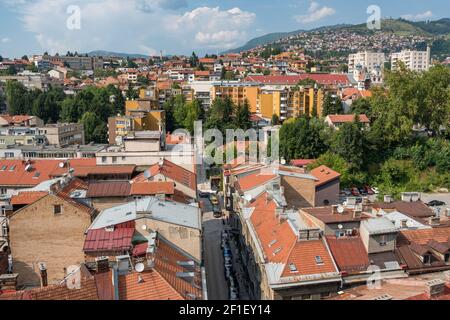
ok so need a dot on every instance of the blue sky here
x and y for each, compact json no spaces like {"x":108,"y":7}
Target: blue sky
{"x":179,"y":26}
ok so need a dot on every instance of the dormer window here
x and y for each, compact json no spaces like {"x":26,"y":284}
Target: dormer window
{"x":319,"y":260}
{"x":426,"y":259}
{"x":293,"y":268}
{"x":447,"y":257}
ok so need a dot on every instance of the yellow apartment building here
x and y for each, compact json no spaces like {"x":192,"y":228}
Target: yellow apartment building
{"x":238,"y":93}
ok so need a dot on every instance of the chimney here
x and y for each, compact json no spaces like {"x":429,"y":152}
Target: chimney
{"x":8,"y":281}
{"x":43,"y":272}
{"x":102,"y":264}
{"x":447,"y":276}
{"x":434,"y":221}
{"x":405,"y":223}
{"x":387,"y":198}
{"x":435,"y":288}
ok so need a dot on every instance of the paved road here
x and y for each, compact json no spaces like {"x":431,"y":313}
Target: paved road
{"x":427,"y":197}
{"x":214,"y":264}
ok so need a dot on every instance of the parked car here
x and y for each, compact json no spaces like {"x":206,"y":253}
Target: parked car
{"x":217,"y":213}
{"x":346,"y":192}
{"x":375,"y":190}
{"x":227,"y":252}
{"x":355,"y":191}
{"x":436,"y":203}
{"x":225,"y":235}
{"x":203,"y":194}
{"x":228,"y":273}
{"x":234,"y":295}
{"x":362,"y":191}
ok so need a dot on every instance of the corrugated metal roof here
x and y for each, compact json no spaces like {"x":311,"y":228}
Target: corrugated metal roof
{"x":109,"y":189}
{"x":103,"y":240}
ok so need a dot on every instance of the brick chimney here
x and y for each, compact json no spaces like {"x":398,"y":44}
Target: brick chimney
{"x":43,"y":272}
{"x":435,"y":288}
{"x":102,"y":264}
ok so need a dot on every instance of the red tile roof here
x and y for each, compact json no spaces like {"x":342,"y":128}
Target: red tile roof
{"x":75,"y":184}
{"x":13,"y":173}
{"x":423,"y":236}
{"x":343,"y":118}
{"x":416,"y":209}
{"x":108,"y":189}
{"x":303,"y":256}
{"x":19,"y":119}
{"x":102,"y":240}
{"x":349,"y":253}
{"x":325,"y":175}
{"x":152,"y":287}
{"x":163,"y":281}
{"x":254,"y":180}
{"x":171,"y":171}
{"x":425,"y":296}
{"x":152,"y":188}
{"x":27,"y":197}
{"x":280,"y":243}
{"x":326,"y":215}
{"x":324,"y":79}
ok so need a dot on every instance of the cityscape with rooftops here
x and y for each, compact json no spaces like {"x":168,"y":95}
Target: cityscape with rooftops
{"x":299,"y":165}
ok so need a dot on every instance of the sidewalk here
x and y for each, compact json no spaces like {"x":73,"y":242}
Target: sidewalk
{"x":239,"y":271}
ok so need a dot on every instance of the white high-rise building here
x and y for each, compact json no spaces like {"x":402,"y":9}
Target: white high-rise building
{"x":413,"y":60}
{"x":367,"y":60}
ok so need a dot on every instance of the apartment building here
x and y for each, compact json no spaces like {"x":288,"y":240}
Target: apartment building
{"x":76,"y":62}
{"x":63,"y":134}
{"x":238,"y":92}
{"x":289,"y":102}
{"x":366,"y":59}
{"x":413,"y":60}
{"x":121,"y":126}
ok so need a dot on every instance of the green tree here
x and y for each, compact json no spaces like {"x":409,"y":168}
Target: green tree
{"x":219,"y":116}
{"x":242,"y":117}
{"x":17,"y":98}
{"x":332,"y":104}
{"x":275,"y":120}
{"x":349,"y":143}
{"x":95,"y":129}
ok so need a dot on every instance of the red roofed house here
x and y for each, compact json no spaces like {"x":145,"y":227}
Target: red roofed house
{"x":185,"y":180}
{"x":285,"y":259}
{"x":327,"y":186}
{"x":50,"y":231}
{"x":336,"y":120}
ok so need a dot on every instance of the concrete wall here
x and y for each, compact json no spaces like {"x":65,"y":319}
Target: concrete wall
{"x":188,"y":239}
{"x":39,"y":235}
{"x":328,"y":192}
{"x":299,"y":192}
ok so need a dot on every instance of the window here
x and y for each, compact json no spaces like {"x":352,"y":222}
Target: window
{"x":103,"y":159}
{"x":57,"y":209}
{"x":4,"y":167}
{"x":325,"y":295}
{"x":319,"y":260}
{"x":427,"y":259}
{"x":114,"y":159}
{"x":12,"y":168}
{"x":3,"y":190}
{"x":383,"y":240}
{"x":447,"y":257}
{"x":306,"y":297}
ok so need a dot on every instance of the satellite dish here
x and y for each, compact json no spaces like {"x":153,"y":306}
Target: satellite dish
{"x":144,"y":227}
{"x":340,"y":227}
{"x":283,"y":161}
{"x":340,"y":209}
{"x":248,"y":197}
{"x":61,"y":164}
{"x":139,"y":267}
{"x":147,"y":174}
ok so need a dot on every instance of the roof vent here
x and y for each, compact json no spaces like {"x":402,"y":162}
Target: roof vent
{"x":435,"y":288}
{"x":384,"y":297}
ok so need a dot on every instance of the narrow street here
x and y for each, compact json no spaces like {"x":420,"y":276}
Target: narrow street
{"x":214,"y":262}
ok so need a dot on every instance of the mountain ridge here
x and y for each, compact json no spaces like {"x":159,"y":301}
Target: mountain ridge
{"x":436,"y":27}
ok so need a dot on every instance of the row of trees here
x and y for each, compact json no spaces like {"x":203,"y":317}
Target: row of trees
{"x":407,"y":146}
{"x":223,"y":114}
{"x":92,"y":106}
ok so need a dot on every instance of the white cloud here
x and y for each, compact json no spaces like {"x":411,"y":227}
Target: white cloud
{"x":141,"y":26}
{"x":214,"y":28}
{"x":315,"y":13}
{"x":5,"y":40}
{"x":419,"y":16}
